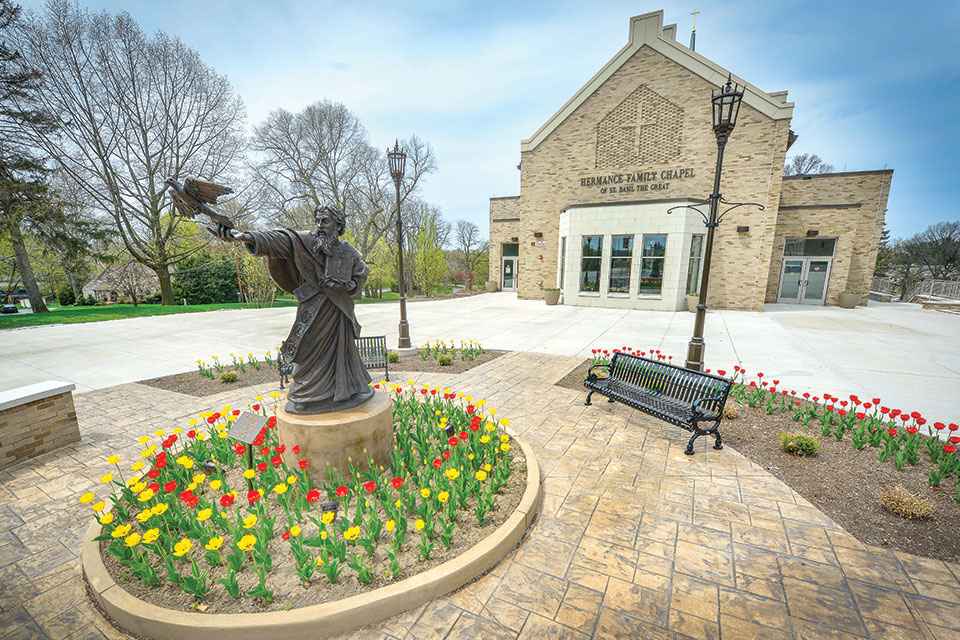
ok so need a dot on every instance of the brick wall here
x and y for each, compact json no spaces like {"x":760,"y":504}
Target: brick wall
{"x":27,"y":430}
{"x":551,"y":175}
{"x":847,"y":206}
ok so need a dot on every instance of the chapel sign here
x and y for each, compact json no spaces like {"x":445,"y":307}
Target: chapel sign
{"x":635,"y":182}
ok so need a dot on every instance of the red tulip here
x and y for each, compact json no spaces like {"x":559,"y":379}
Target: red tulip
{"x":226,"y":500}
{"x":921,"y":421}
{"x":285,"y":535}
{"x":464,"y":435}
{"x":280,"y":448}
{"x":253,"y":496}
{"x":867,"y":405}
{"x":884,"y":410}
{"x":892,"y":432}
{"x":912,"y":429}
{"x":776,"y":382}
{"x":759,"y":375}
{"x":829,"y":407}
{"x":236,"y":412}
{"x":296,"y":449}
{"x":876,"y":401}
{"x":938,"y":425}
{"x":914,"y":414}
{"x":953,"y":427}
{"x":452,"y":441}
{"x":265,"y":451}
{"x":262,"y":466}
{"x":861,"y":416}
{"x":446,"y":455}
{"x":370,"y":486}
{"x":313,"y":495}
{"x":894,"y":413}
{"x":276,"y":461}
{"x":153,"y":486}
{"x":904,"y":417}
{"x":341,"y":491}
{"x":153,"y":473}
{"x":191,"y":434}
{"x":949,"y":448}
{"x":842,"y":413}
{"x":211,"y":419}
{"x":954,"y":439}
{"x":239,"y":448}
{"x":721,"y":372}
{"x":397,"y":483}
{"x":302,"y":464}
{"x":470,"y":409}
{"x":170,"y":487}
{"x":255,"y":407}
{"x":437,"y":463}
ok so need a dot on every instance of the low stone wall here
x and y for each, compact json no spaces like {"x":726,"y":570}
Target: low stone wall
{"x":36,"y":419}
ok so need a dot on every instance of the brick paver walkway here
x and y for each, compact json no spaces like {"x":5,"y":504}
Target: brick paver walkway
{"x":634,"y":539}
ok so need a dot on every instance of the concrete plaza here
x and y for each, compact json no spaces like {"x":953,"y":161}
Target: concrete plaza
{"x":907,"y":356}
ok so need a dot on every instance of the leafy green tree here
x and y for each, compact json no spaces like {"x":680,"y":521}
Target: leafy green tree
{"x":22,"y":174}
{"x":430,"y":266}
{"x":204,"y":279}
{"x":885,"y":254}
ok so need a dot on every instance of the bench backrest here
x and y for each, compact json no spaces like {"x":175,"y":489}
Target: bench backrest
{"x":667,"y":380}
{"x":373,"y":351}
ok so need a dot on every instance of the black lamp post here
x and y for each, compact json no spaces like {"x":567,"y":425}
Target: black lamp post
{"x":726,"y":107}
{"x":398,"y":160}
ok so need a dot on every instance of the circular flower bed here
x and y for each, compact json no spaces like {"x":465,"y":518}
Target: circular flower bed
{"x":195,"y":527}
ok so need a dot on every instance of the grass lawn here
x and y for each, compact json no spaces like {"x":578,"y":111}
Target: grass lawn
{"x":71,"y":315}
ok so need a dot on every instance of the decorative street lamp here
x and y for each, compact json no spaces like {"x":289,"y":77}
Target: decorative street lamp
{"x":726,"y":107}
{"x":398,"y":160}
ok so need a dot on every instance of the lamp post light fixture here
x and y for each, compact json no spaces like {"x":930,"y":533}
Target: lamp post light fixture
{"x":726,"y":108}
{"x":398,"y":160}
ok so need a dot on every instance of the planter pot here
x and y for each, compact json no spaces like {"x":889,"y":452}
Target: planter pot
{"x":692,"y":302}
{"x":551,"y":297}
{"x":492,"y":286}
{"x":849,"y":300}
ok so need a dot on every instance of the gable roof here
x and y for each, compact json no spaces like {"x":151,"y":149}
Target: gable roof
{"x":648,"y":29}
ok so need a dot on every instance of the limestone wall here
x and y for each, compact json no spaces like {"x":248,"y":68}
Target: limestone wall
{"x":36,"y":426}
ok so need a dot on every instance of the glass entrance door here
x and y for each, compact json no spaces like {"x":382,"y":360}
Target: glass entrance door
{"x":804,"y":280}
{"x":509,"y":274}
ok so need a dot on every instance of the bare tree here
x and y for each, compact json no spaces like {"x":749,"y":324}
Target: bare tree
{"x":937,"y":250}
{"x":804,"y":164}
{"x":131,"y":279}
{"x":136,"y":110}
{"x":470,"y":246}
{"x":322,"y":155}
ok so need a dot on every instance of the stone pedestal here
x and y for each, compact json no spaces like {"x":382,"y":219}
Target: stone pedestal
{"x":329,"y":439}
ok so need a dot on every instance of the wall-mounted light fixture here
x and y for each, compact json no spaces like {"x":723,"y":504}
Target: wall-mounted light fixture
{"x":514,"y":239}
{"x":743,"y":229}
{"x":812,"y":233}
{"x":537,"y":234}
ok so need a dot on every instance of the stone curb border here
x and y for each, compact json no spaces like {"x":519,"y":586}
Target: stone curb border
{"x":320,"y":620}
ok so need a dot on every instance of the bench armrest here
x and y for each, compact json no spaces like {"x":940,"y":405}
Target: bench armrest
{"x":590,"y":373}
{"x":698,"y":405}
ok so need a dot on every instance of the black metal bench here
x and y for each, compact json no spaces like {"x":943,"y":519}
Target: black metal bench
{"x":373,"y":353}
{"x":683,"y":397}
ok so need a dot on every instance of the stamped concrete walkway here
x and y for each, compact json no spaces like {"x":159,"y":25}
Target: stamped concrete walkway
{"x":634,"y":538}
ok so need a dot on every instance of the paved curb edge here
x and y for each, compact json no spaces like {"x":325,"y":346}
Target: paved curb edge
{"x":148,"y":620}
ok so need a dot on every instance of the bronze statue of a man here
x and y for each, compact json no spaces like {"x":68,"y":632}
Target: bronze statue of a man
{"x":324,"y":273}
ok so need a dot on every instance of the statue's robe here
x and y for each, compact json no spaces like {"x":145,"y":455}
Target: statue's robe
{"x":328,"y":374}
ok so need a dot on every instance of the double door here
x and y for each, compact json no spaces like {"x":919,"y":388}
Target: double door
{"x":804,"y":280}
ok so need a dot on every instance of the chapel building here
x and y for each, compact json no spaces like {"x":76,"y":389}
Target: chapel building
{"x":597,"y":179}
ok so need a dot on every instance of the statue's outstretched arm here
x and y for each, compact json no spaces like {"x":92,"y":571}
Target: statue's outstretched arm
{"x":227,"y":234}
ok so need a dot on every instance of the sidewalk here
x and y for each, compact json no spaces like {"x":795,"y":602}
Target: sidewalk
{"x":907,"y":356}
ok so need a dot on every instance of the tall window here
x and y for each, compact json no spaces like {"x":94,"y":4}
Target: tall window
{"x":590,"y":263}
{"x":693,"y":269}
{"x":563,"y":260}
{"x":621,"y":259}
{"x":651,"y":264}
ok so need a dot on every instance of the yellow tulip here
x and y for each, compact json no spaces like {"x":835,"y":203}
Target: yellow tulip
{"x":181,"y":548}
{"x":107,"y":518}
{"x":140,"y":486}
{"x":453,"y":474}
{"x":327,"y":517}
{"x":199,"y":478}
{"x":294,"y":531}
{"x":280,"y":489}
{"x":250,"y":521}
{"x":150,"y":535}
{"x":121,"y":530}
{"x":204,"y":514}
{"x":105,"y":478}
{"x":424,"y":492}
{"x":98,"y":506}
{"x":319,"y":561}
{"x":87,"y":498}
{"x":146,"y":495}
{"x":481,"y":475}
{"x":136,"y":466}
{"x":159,"y":432}
{"x":179,"y":430}
{"x":143,"y":439}
{"x":132,"y":540}
{"x":352,"y":533}
{"x":487,"y":467}
{"x":215,"y":485}
{"x":419,"y":524}
{"x":505,"y":446}
{"x":159,"y":509}
{"x":214,"y":543}
{"x":443,"y":496}
{"x":113,"y":459}
{"x":249,"y":473}
{"x":144,"y":515}
{"x":505,"y":422}
{"x":390,"y":524}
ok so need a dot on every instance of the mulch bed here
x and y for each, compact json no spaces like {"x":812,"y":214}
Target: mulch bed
{"x":841,"y":481}
{"x":192,"y":383}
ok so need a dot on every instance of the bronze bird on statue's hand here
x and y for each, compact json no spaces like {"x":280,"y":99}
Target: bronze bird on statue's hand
{"x":195,"y":196}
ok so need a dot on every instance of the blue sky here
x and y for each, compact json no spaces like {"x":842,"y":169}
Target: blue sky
{"x":875,"y":84}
